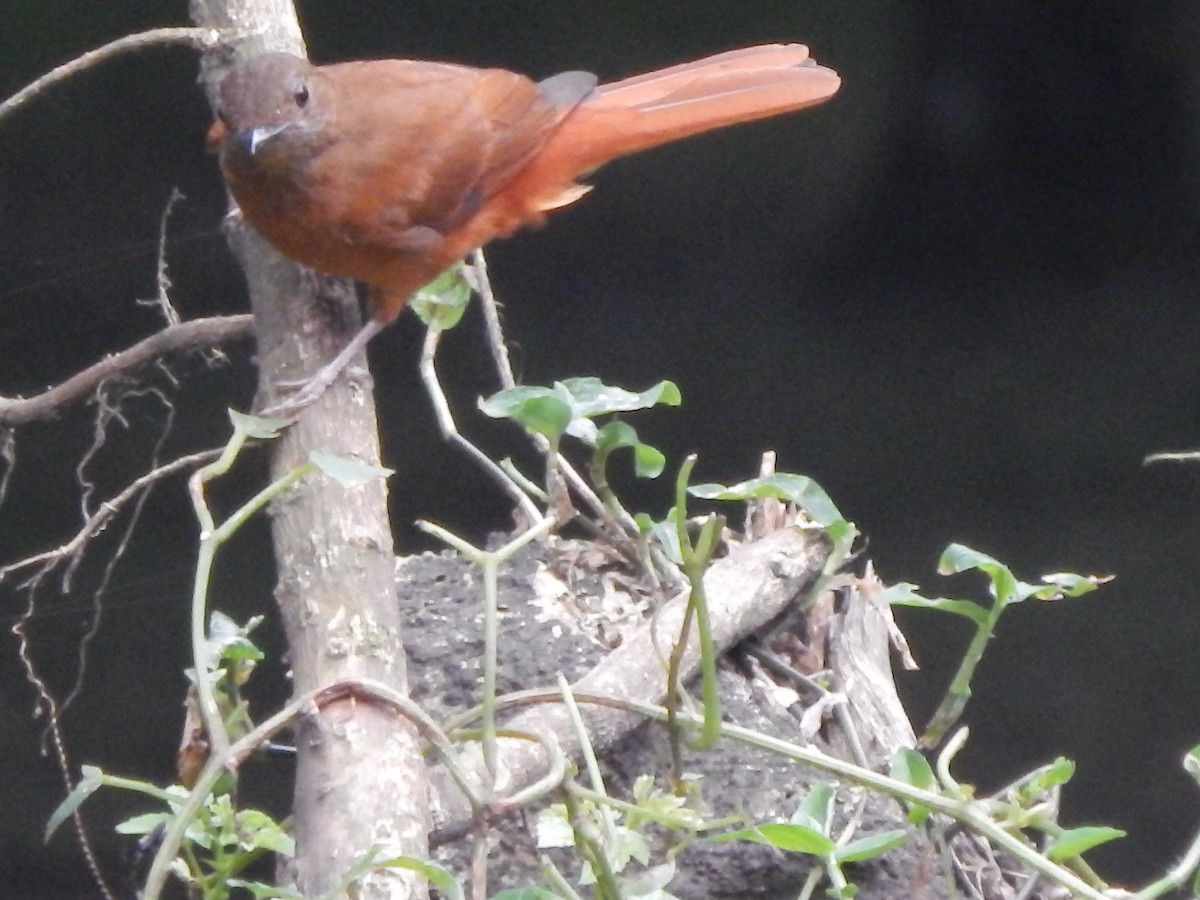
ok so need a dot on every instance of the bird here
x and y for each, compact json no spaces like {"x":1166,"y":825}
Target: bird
{"x":390,"y":171}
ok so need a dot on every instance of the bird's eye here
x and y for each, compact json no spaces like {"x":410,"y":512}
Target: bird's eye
{"x":300,"y":94}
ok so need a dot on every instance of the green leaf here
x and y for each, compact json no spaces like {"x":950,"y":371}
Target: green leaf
{"x":592,"y":397}
{"x":259,"y":427}
{"x":870,"y":847}
{"x":648,"y":461}
{"x":445,"y":882}
{"x":627,"y":845}
{"x":798,"y":489}
{"x":1049,"y":777}
{"x":143,"y":824}
{"x":904,"y":594}
{"x":959,"y":558}
{"x":1077,"y":841}
{"x":912,"y":768}
{"x":372,"y":860}
{"x":568,"y":406}
{"x":442,"y":302}
{"x":554,"y":828}
{"x":816,"y":812}
{"x":793,"y":838}
{"x":664,"y":533}
{"x":347,"y":472}
{"x":542,"y":410}
{"x":1004,"y":585}
{"x":526,"y":893}
{"x":228,"y":640}
{"x":649,"y":883}
{"x":260,"y":831}
{"x":843,"y":534}
{"x":663,"y":807}
{"x":1066,"y":584}
{"x":91,"y":779}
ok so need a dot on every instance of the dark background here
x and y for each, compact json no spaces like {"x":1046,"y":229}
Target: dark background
{"x":960,"y":296}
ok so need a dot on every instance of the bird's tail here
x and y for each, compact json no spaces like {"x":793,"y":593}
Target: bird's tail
{"x":739,"y":86}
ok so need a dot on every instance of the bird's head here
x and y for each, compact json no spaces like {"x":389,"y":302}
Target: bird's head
{"x":268,"y":108}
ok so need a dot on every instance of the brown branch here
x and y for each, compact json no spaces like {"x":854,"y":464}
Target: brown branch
{"x":198,"y":333}
{"x":361,"y":784}
{"x":196,"y":37}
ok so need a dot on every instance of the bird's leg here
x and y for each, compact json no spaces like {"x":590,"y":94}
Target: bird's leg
{"x":309,"y":389}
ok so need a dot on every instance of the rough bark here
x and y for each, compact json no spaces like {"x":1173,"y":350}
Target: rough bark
{"x":360,"y":777}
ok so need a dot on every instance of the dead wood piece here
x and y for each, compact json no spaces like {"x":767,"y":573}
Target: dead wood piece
{"x":745,"y":591}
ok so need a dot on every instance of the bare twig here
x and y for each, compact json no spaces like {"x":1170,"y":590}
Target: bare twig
{"x":8,"y":455}
{"x":162,"y":277}
{"x":195,"y":37}
{"x":122,"y":543}
{"x":196,"y":334}
{"x":97,"y":521}
{"x":68,"y":555}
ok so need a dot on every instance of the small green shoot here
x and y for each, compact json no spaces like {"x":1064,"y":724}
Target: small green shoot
{"x":221,"y":840}
{"x":588,"y":816}
{"x":810,"y":831}
{"x":1005,"y":590}
{"x":571,"y":406}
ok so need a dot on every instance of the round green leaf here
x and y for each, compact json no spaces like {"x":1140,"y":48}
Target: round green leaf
{"x":442,"y":302}
{"x":542,"y":410}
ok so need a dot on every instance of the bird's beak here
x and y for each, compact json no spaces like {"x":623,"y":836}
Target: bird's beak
{"x":259,"y":136}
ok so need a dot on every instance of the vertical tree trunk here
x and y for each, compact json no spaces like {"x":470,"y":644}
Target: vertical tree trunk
{"x":360,"y":779}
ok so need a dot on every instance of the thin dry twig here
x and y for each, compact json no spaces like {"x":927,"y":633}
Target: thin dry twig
{"x":68,"y":554}
{"x":201,"y":38}
{"x":8,"y":456}
{"x":100,"y":518}
{"x":17,"y":411}
{"x":162,"y":275}
{"x":118,"y":553}
{"x":196,"y":334}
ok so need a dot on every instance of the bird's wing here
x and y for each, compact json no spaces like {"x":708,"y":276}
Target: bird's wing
{"x":433,"y":142}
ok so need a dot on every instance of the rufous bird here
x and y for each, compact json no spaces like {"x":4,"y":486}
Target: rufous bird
{"x":390,"y":171}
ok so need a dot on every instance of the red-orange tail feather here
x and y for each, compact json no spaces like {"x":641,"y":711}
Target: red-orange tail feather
{"x":738,"y":86}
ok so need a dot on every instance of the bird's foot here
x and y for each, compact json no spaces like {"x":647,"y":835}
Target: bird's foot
{"x":303,"y":393}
